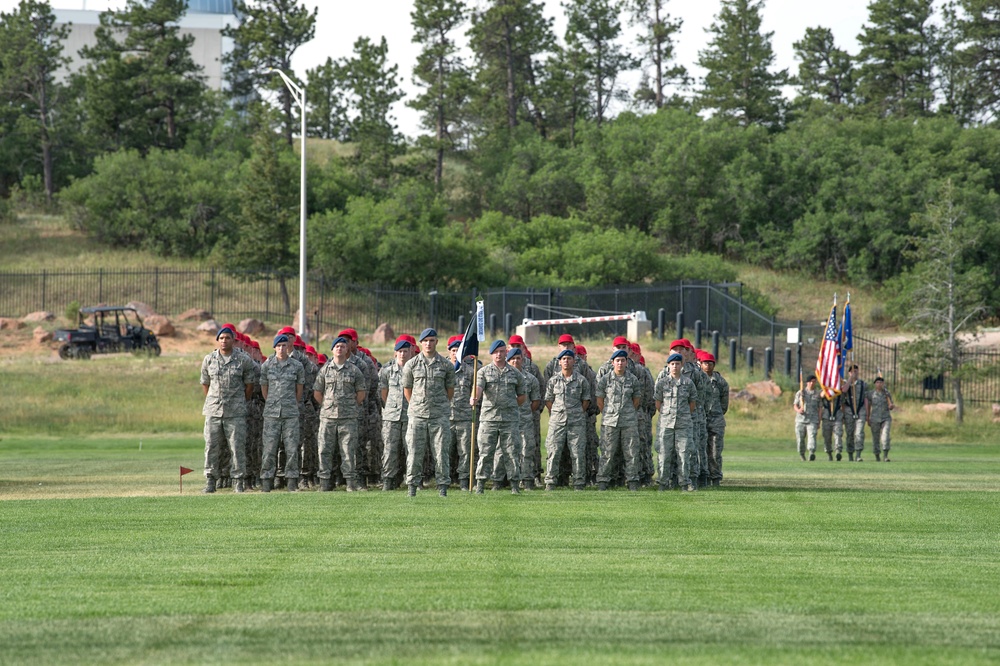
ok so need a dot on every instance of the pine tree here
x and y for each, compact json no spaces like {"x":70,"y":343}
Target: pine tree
{"x":739,"y":83}
{"x":657,"y":40}
{"x":898,"y":47}
{"x":977,"y":51}
{"x":325,"y":96}
{"x":824,"y":70}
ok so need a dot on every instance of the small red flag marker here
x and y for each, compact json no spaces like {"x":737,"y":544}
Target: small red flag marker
{"x":184,"y":470}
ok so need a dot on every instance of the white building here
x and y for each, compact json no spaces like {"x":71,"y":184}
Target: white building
{"x":204,"y":20}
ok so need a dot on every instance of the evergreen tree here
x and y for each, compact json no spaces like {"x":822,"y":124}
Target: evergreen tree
{"x":657,"y":40}
{"x":956,"y":86}
{"x":440,"y":72}
{"x":374,"y":87}
{"x":30,"y":53}
{"x":325,"y":96}
{"x":142,"y":87}
{"x":825,"y":71}
{"x":269,"y":33}
{"x":898,"y":47}
{"x":592,"y":30}
{"x":739,"y":83}
{"x":565,"y":92}
{"x":510,"y":40}
{"x":977,"y":49}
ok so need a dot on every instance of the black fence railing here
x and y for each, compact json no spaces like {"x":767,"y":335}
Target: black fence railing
{"x":709,"y":314}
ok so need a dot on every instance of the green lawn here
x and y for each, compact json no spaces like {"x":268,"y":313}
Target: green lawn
{"x":789,"y":562}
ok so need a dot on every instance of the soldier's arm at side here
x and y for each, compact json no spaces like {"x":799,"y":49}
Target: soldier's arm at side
{"x":535,"y":404}
{"x":635,"y":402}
{"x":264,"y":387}
{"x":248,"y":391}
{"x":585,"y":404}
{"x":600,"y":404}
{"x":204,"y":390}
{"x":360,"y":396}
{"x":318,"y":397}
{"x":385,"y":396}
{"x":692,"y":406}
{"x":408,"y":394}
{"x":521,"y":397}
{"x":298,"y":392}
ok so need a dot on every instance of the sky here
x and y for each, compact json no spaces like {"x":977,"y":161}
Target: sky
{"x":340,"y":23}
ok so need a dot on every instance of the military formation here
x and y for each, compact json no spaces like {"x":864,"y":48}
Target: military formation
{"x":844,"y":417}
{"x":299,"y":420}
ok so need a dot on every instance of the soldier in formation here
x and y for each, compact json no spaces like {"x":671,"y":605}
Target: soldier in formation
{"x":567,"y":397}
{"x":715,"y":415}
{"x":807,"y":416}
{"x":394,"y":421}
{"x":282,"y":379}
{"x":501,"y":389}
{"x":619,"y":396}
{"x":675,"y":395}
{"x":879,"y":417}
{"x":855,"y":409}
{"x":340,"y":389}
{"x":461,"y":412}
{"x":428,"y":381}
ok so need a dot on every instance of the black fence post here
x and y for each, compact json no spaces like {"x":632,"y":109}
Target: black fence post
{"x":661,"y":322}
{"x":493,"y":323}
{"x":697,"y":334}
{"x":798,"y":353}
{"x":715,"y":345}
{"x":788,"y":361}
{"x":461,"y":323}
{"x":739,"y":323}
{"x":44,"y":280}
{"x":750,"y":360}
{"x":211,"y":298}
{"x":768,"y":362}
{"x":508,"y":325}
{"x":680,"y":325}
{"x":732,"y":354}
{"x":156,"y":289}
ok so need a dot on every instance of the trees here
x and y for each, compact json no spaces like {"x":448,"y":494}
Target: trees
{"x":977,"y":52}
{"x":824,"y":70}
{"x":657,"y":38}
{"x":943,"y":296}
{"x":898,"y":48}
{"x":268,"y":35}
{"x":30,"y":53}
{"x":327,"y":118}
{"x":738,"y":83}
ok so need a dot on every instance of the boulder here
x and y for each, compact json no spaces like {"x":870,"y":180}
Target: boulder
{"x":159,"y":325}
{"x":211,"y":327}
{"x":251,"y":326}
{"x":383,"y":335}
{"x":195,"y":313}
{"x":996,"y":411}
{"x":37,"y":317}
{"x":744,"y":396}
{"x":143,"y":309}
{"x":764,"y":389}
{"x":40,"y":335}
{"x":940,"y":407}
{"x":10,"y":324}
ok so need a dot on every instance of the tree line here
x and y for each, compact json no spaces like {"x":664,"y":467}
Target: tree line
{"x":524,"y":172}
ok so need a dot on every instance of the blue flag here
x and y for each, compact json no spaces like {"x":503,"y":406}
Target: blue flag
{"x":846,"y":335}
{"x":470,"y":341}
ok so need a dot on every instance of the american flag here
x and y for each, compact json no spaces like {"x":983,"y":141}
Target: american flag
{"x":828,"y":363}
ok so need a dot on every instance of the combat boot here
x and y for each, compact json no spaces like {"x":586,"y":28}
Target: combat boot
{"x":514,"y":490}
{"x":850,"y":456}
{"x":480,"y":486}
{"x":839,"y":457}
{"x":529,"y":484}
{"x":442,"y":490}
{"x":633,"y":486}
{"x":326,"y":485}
{"x":578,"y":488}
{"x":386,"y":485}
{"x":812,"y":456}
{"x":463,"y":485}
{"x":209,"y":485}
{"x":240,"y":486}
{"x":602,"y":486}
{"x":266,"y":485}
{"x":411,"y":490}
{"x":690,"y":488}
{"x":550,"y":486}
{"x":293,"y":485}
{"x":877,"y":457}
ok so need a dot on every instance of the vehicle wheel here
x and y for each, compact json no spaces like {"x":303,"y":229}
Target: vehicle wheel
{"x":154,"y":349}
{"x":66,"y":351}
{"x":83,"y":353}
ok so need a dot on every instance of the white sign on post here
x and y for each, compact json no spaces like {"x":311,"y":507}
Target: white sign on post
{"x":793,"y":336}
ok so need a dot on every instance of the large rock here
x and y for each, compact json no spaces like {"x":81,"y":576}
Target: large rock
{"x":211,"y":327}
{"x":159,"y":325}
{"x":766,"y":389}
{"x":940,"y":407}
{"x":38,"y":317}
{"x":383,"y":335}
{"x":140,"y":307}
{"x":251,"y":326}
{"x":195,"y":313}
{"x":10,"y":324}
{"x":742,"y":396}
{"x":40,"y":335}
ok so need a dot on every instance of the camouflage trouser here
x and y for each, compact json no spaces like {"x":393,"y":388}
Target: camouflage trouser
{"x":422,"y":433}
{"x":393,"y":450}
{"x":645,"y":450}
{"x":675,"y":456}
{"x":498,"y":442}
{"x":716,"y":442}
{"x":536,"y":440}
{"x":461,"y":447}
{"x":528,"y":450}
{"x":340,"y":435}
{"x":854,"y":432}
{"x":805,"y":437}
{"x":255,"y":436}
{"x":593,"y":456}
{"x":230,"y":434}
{"x":571,"y":437}
{"x":624,"y":441}
{"x":372,"y":445}
{"x":285,"y":433}
{"x":699,"y":445}
{"x":833,"y":429}
{"x":881,"y":435}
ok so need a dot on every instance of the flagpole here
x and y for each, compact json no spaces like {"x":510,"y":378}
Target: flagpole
{"x":472,"y":446}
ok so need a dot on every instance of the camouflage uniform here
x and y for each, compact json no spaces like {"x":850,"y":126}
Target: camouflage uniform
{"x":644,"y":418}
{"x":390,"y":379}
{"x":338,"y":424}
{"x":255,"y":429}
{"x":527,"y":424}
{"x":499,"y":419}
{"x":309,"y":458}
{"x":617,"y":462}
{"x":855,"y":412}
{"x":567,"y":426}
{"x":619,"y":425}
{"x":833,"y":425}
{"x":807,"y":423}
{"x":369,"y":463}
{"x":880,"y":420}
{"x":591,"y":456}
{"x":461,"y":422}
{"x":225,"y":410}
{"x":429,"y":413}
{"x":715,"y":416}
{"x":281,"y":415}
{"x":675,"y":428}
{"x":699,"y":429}
{"x":536,"y":446}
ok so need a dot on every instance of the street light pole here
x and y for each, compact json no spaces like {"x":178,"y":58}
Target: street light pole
{"x":299,"y":93}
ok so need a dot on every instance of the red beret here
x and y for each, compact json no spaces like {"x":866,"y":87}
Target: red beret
{"x":620,"y":340}
{"x":634,"y":346}
{"x":453,"y":339}
{"x":704,"y":356}
{"x":310,"y":350}
{"x":516,"y":340}
{"x":229,"y":326}
{"x":642,"y":360}
{"x":321,"y":359}
{"x":348,"y":333}
{"x":581,"y":350}
{"x":255,"y":344}
{"x":687,"y":343}
{"x":288,"y":330}
{"x":298,"y":342}
{"x":409,"y":338}
{"x":678,"y":343}
{"x":566,"y":339}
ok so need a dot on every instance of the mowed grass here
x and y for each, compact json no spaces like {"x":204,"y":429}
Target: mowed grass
{"x":789,"y":562}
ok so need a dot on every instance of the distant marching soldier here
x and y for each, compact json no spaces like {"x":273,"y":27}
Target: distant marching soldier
{"x":340,"y":389}
{"x":394,"y":421}
{"x":879,"y":418}
{"x":461,"y":412}
{"x":227,"y":381}
{"x":429,"y":387}
{"x":567,"y":397}
{"x":833,"y":426}
{"x":855,"y":406}
{"x":807,"y":410}
{"x":501,"y":390}
{"x":527,"y":424}
{"x":675,"y":395}
{"x":619,"y":395}
{"x":715,"y":416}
{"x":282,"y":379}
